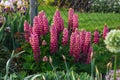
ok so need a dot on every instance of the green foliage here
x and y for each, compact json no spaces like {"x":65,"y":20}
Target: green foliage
{"x":13,"y":24}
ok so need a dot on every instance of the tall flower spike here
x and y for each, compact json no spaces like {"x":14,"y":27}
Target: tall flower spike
{"x":75,"y":22}
{"x":70,"y":19}
{"x":65,"y":36}
{"x":87,"y":42}
{"x":96,"y":37}
{"x":76,"y":48}
{"x":45,"y":25}
{"x":40,"y":20}
{"x":82,"y":38}
{"x":26,"y":30}
{"x":36,"y":27}
{"x":89,"y":55}
{"x":72,"y":41}
{"x":105,"y":31}
{"x":34,"y":41}
{"x":53,"y":40}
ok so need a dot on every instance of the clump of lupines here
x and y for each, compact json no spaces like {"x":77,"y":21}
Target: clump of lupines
{"x":77,"y":41}
{"x":65,"y":36}
{"x":96,"y":37}
{"x":53,"y":39}
{"x":34,"y":41}
{"x":70,"y":19}
{"x":26,"y":30}
{"x":105,"y":31}
{"x":75,"y":22}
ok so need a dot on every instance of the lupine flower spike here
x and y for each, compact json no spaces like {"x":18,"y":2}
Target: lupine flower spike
{"x":105,"y":31}
{"x":65,"y":36}
{"x":70,"y":19}
{"x":96,"y":37}
{"x":34,"y":41}
{"x":53,"y":40}
{"x":26,"y":30}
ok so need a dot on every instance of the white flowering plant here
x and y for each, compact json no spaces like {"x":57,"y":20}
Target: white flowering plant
{"x":112,"y":41}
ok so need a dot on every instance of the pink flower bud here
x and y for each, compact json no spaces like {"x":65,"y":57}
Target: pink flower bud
{"x":34,"y":41}
{"x":105,"y":31}
{"x":75,"y":22}
{"x":44,"y":43}
{"x":45,"y":59}
{"x":96,"y":37}
{"x":65,"y":36}
{"x":53,"y":40}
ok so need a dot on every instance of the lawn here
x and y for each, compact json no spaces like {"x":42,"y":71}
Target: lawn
{"x":88,"y":21}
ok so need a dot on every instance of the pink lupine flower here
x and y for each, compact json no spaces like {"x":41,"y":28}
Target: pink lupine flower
{"x":76,"y":48}
{"x":40,"y":20}
{"x":57,"y":13}
{"x":45,"y":25}
{"x":96,"y":37}
{"x":36,"y":27}
{"x":53,"y":40}
{"x":62,"y":25}
{"x":34,"y":41}
{"x":45,"y":59}
{"x":105,"y":31}
{"x":26,"y":30}
{"x":89,"y":55}
{"x":72,"y":41}
{"x":82,"y":39}
{"x":57,"y":23}
{"x":44,"y":43}
{"x":65,"y":36}
{"x":75,"y":22}
{"x":87,"y":42}
{"x":30,"y":29}
{"x":70,"y":19}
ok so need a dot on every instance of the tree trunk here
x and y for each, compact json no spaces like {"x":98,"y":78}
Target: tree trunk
{"x":33,"y":10}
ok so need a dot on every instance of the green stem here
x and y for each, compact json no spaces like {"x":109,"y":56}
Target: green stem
{"x":115,"y":63}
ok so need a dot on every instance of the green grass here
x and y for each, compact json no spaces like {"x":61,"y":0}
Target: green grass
{"x":88,"y":21}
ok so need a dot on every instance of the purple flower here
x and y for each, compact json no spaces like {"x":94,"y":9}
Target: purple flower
{"x":53,"y":40}
{"x":65,"y":36}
